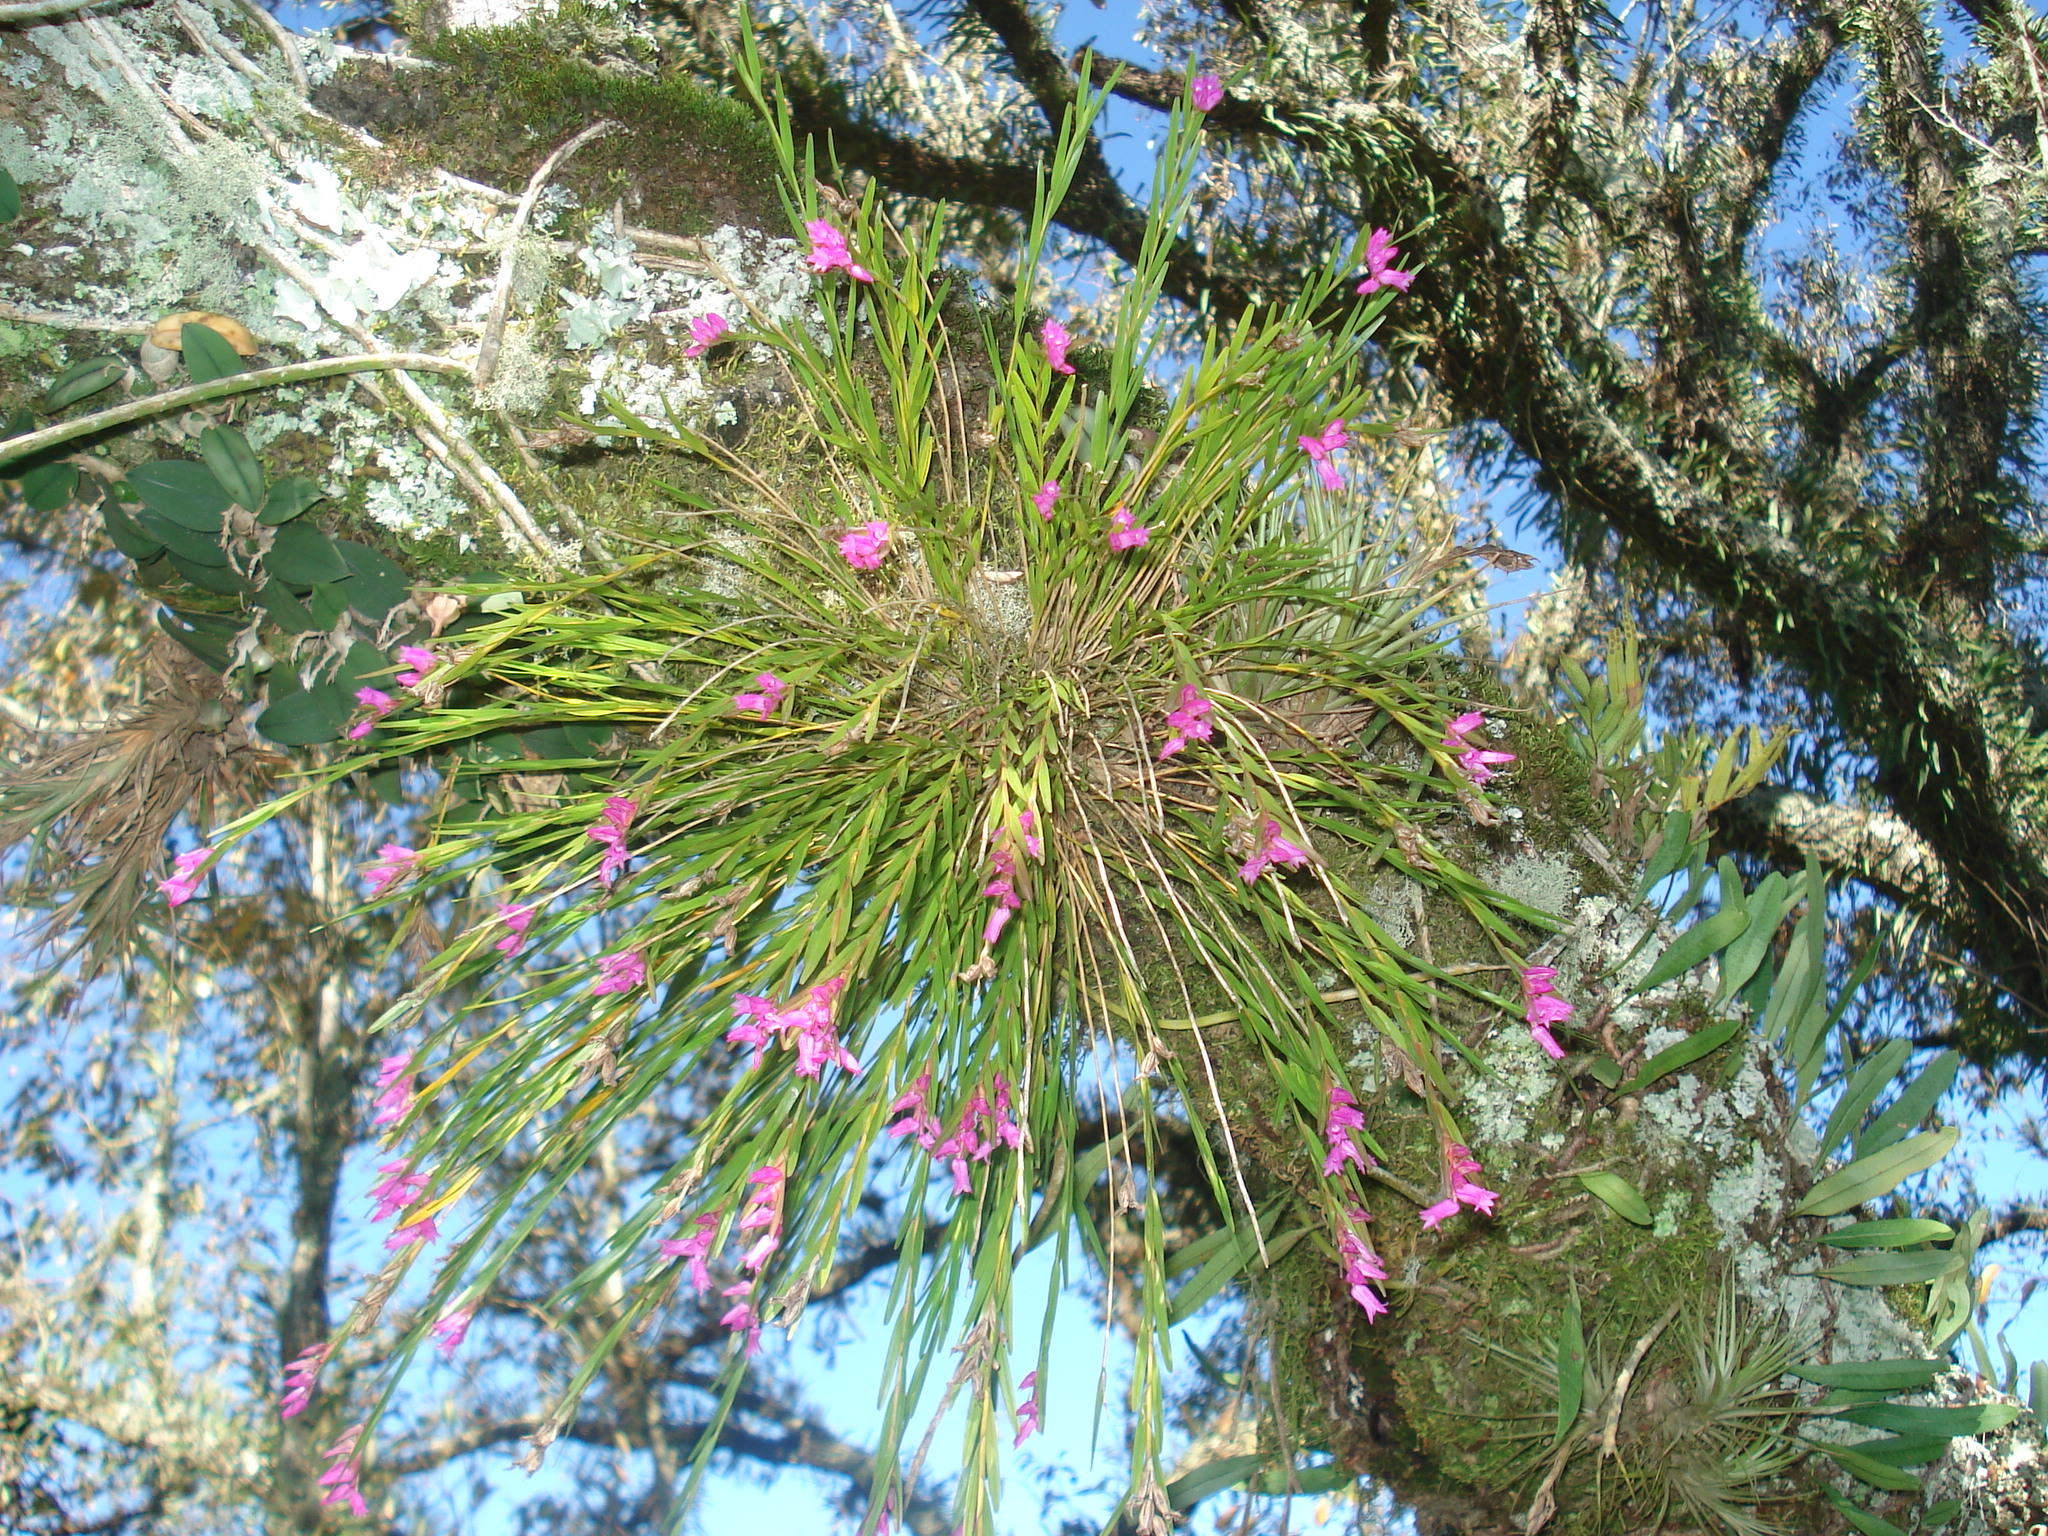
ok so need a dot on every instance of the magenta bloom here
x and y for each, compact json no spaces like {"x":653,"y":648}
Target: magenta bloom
{"x":419,"y":662}
{"x":378,"y":703}
{"x":425,"y":1230}
{"x":620,"y":973}
{"x":1478,"y":763}
{"x":399,"y":1187}
{"x":517,"y":919}
{"x":1380,"y":252}
{"x":301,"y":1375}
{"x":1275,"y":849}
{"x":1125,"y":532}
{"x":340,"y":1477}
{"x":451,"y":1330}
{"x":1344,"y":1118}
{"x":808,"y":1026}
{"x":1057,"y":339}
{"x":763,"y":1213}
{"x":1362,"y":1267}
{"x":1543,"y":1008}
{"x":704,"y":334}
{"x":1463,"y":1168}
{"x":392,"y":865}
{"x":765,"y":702}
{"x":610,"y":830}
{"x":864,"y":546}
{"x":918,"y":1120}
{"x":394,"y":1089}
{"x":696,"y":1248}
{"x":1189,"y":722}
{"x":1207,"y":92}
{"x":188,"y":870}
{"x":1003,"y":889}
{"x":828,"y":251}
{"x":1027,"y":1410}
{"x":1044,"y":497}
{"x":1319,"y":447}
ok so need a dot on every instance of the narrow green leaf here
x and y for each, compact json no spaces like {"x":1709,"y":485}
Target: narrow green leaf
{"x":1914,"y":1104}
{"x":1890,"y":1268}
{"x":1279,"y":1482}
{"x":207,"y":353}
{"x":1876,"y":1074}
{"x":10,"y":198}
{"x":83,"y":380}
{"x":1866,"y":1469}
{"x":1766,"y":905}
{"x":1672,"y":851}
{"x":1867,"y":1523}
{"x":1877,"y":1174}
{"x":2037,"y":1389}
{"x":1223,"y":1267}
{"x":1873,"y":1375}
{"x":1938,"y":1514}
{"x":1683,"y":1052}
{"x":1693,"y":946}
{"x":1903,"y":1419}
{"x":1604,"y":1070}
{"x":1893,"y":1232}
{"x":1619,"y":1195}
{"x":233,"y":462}
{"x":1190,"y":1488}
{"x":1571,"y":1366}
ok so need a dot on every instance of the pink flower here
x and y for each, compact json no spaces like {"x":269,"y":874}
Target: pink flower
{"x":620,"y":973}
{"x":301,"y":1375}
{"x":1125,"y":532}
{"x":398,"y":1189}
{"x":422,"y":1231}
{"x":378,"y":703}
{"x":340,"y":1477}
{"x":1319,"y":447}
{"x":918,"y":1120}
{"x":1543,"y":1008}
{"x":1344,"y":1118}
{"x":1433,"y":1215}
{"x":1044,"y":497}
{"x":1027,"y":1410}
{"x":1478,"y":763}
{"x":188,"y":870}
{"x":1463,"y":1167}
{"x":1057,"y":340}
{"x":741,"y":1316}
{"x":864,"y":546}
{"x":696,"y":1248}
{"x":451,"y":1330}
{"x":1190,"y":722}
{"x":1380,"y":252}
{"x":808,"y":1026}
{"x":420,"y":661}
{"x":1003,"y":889}
{"x":392,"y":865}
{"x":1362,"y":1267}
{"x":517,"y":919}
{"x":828,"y":250}
{"x":764,"y":703}
{"x":610,"y":830}
{"x":394,"y":1089}
{"x":704,"y":334}
{"x":1206,"y":92}
{"x":1275,"y":849}
{"x":763,"y":1214}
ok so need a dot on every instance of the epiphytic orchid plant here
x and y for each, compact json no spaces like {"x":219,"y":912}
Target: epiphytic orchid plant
{"x":967,"y":778}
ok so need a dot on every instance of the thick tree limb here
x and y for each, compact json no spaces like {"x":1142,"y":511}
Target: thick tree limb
{"x":1874,"y":848}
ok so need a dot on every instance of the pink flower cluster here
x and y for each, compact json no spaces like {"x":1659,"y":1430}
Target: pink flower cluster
{"x":985,"y":1124}
{"x":1044,"y":497}
{"x":761,"y":1214}
{"x":1319,"y":447}
{"x":188,"y":870}
{"x":704,"y":334}
{"x":865,"y":546}
{"x":1207,"y":92}
{"x":766,"y":701}
{"x":394,"y":1089}
{"x":1344,"y":1118}
{"x":301,"y":1375}
{"x":1273,"y":849}
{"x":419,"y":661}
{"x":1380,"y":252}
{"x":1003,"y":889}
{"x":1542,"y":1007}
{"x":807,"y":1025}
{"x":1189,"y":722}
{"x":340,"y":1477}
{"x":517,"y":918}
{"x":1027,"y":1410}
{"x":394,"y":1193}
{"x":610,"y":829}
{"x":1463,"y":1168}
{"x":1362,"y":1267}
{"x":1125,"y":531}
{"x":697,"y":1249}
{"x":378,"y":703}
{"x":1057,"y":339}
{"x":1479,"y":763}
{"x":829,"y":252}
{"x":621,"y":972}
{"x":393,"y":863}
{"x":450,"y":1330}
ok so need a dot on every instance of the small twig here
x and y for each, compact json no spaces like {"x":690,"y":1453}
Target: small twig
{"x":141,"y":87}
{"x":1625,"y":1376}
{"x":58,"y":321}
{"x":501,"y":294}
{"x":39,"y":10}
{"x":286,"y":44}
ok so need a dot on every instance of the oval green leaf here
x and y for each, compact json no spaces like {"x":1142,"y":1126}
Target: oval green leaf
{"x":377,"y":585}
{"x":1895,"y":1232}
{"x":288,"y":498}
{"x":125,"y":536}
{"x":179,"y":539}
{"x":1702,"y":939}
{"x":207,"y":354}
{"x":48,"y":487}
{"x":304,"y":557}
{"x":10,"y":198}
{"x":183,"y":490}
{"x":1684,"y":1052}
{"x":1877,"y":1174}
{"x":1619,"y":1195}
{"x":83,"y":380}
{"x":306,"y":718}
{"x":217,"y":579}
{"x":233,"y":462}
